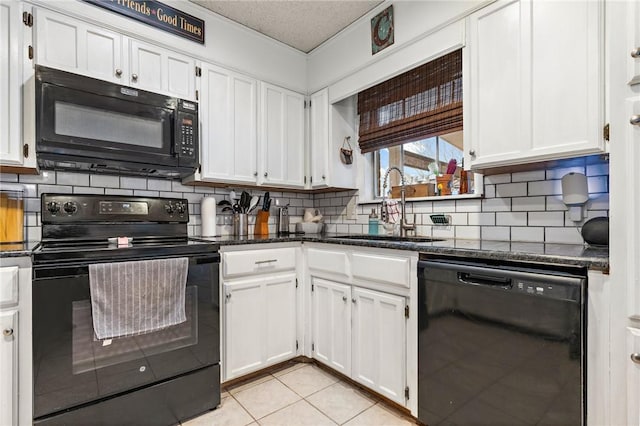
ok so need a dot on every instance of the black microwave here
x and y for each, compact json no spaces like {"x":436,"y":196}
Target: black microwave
{"x":96,"y":126}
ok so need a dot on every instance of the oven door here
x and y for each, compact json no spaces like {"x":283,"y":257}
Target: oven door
{"x":71,"y":367}
{"x":102,"y":123}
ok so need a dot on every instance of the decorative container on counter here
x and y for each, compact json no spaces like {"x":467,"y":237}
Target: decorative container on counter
{"x":11,"y":213}
{"x":262,"y":223}
{"x":443,"y":184}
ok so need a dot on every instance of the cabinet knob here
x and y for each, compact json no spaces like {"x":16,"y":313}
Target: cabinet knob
{"x":635,"y":119}
{"x":323,"y":177}
{"x":266,"y":174}
{"x":227,"y":296}
{"x":353,"y":300}
{"x":134,"y":77}
{"x":472,"y":152}
{"x":7,"y":332}
{"x":635,"y":53}
{"x":344,"y":298}
{"x":118,"y":72}
{"x":635,"y":358}
{"x":255,"y":174}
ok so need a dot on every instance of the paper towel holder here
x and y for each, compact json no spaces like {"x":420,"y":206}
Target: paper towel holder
{"x":575,"y":194}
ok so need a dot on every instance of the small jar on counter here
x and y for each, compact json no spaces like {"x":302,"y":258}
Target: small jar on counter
{"x":373,"y":222}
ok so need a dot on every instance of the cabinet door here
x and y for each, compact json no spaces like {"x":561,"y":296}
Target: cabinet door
{"x":9,"y":362}
{"x":75,"y":46}
{"x":160,"y":70}
{"x":319,"y":143}
{"x":633,"y":377}
{"x":331,"y":324}
{"x":280,"y":304}
{"x":10,"y":83}
{"x":244,"y":326}
{"x":379,"y":342}
{"x":498,"y":40}
{"x":228,"y":112}
{"x":281,"y":136}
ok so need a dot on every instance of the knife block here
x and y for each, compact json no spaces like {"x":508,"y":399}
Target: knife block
{"x":262,"y":223}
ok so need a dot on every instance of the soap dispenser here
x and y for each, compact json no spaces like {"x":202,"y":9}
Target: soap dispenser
{"x":373,"y":222}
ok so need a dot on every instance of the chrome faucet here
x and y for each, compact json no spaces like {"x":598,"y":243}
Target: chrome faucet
{"x":404,"y":225}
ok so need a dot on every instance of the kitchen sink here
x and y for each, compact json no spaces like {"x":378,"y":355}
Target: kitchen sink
{"x":389,"y":238}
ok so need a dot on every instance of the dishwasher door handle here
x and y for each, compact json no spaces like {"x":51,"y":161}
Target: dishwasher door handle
{"x":485,"y":280}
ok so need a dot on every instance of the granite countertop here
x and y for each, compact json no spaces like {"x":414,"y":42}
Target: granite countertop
{"x":17,"y":249}
{"x":562,"y":254}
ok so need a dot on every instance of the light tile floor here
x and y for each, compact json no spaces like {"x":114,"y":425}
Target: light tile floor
{"x":301,"y":394}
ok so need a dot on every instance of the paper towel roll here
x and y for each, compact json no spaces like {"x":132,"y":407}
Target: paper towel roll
{"x":208,"y":215}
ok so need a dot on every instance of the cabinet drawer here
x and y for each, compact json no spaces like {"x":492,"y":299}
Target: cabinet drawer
{"x":387,"y":269}
{"x":8,"y":286}
{"x":258,"y":261}
{"x":328,"y":260}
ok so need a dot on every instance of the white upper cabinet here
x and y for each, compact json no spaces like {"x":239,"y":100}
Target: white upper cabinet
{"x":75,"y":46}
{"x":160,"y":70}
{"x":319,"y":140}
{"x":11,"y":28}
{"x":281,"y":137}
{"x":228,"y":116}
{"x":533,"y":88}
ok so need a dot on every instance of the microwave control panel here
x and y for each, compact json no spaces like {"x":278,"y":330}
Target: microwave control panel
{"x":187,"y":124}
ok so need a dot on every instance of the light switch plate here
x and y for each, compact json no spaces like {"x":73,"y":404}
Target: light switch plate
{"x":351,"y":209}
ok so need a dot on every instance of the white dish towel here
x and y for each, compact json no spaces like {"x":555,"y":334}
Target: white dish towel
{"x":129,"y":298}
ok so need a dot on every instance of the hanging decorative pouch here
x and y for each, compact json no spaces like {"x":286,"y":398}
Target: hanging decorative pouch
{"x":346,"y":152}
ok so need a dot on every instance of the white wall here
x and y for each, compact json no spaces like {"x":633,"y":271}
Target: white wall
{"x":350,"y":50}
{"x":226,"y":43}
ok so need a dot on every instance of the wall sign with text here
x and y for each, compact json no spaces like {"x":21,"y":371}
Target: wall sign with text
{"x":158,"y":15}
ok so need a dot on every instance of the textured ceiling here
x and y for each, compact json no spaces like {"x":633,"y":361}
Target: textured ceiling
{"x":303,"y":25}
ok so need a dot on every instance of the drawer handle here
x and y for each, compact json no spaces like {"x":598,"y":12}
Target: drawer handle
{"x":7,"y":332}
{"x":261,"y":262}
{"x":635,"y":358}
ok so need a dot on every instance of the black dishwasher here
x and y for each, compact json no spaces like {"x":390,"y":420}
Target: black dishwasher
{"x":500,"y":343}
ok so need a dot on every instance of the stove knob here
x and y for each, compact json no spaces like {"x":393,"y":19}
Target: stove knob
{"x":169,"y":208}
{"x":53,"y":207}
{"x":70,"y":207}
{"x":181,"y":208}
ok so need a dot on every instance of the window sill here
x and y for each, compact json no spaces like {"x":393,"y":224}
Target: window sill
{"x":433,"y":198}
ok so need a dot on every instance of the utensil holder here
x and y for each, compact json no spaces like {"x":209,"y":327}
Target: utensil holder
{"x":240,"y":224}
{"x":262,"y":223}
{"x":443,"y":184}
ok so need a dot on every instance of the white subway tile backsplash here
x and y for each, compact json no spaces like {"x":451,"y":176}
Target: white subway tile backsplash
{"x":482,"y":219}
{"x":423,"y":207}
{"x":563,"y":235}
{"x":443,"y":231}
{"x":525,"y":204}
{"x":468,"y":232}
{"x":42,"y":189}
{"x":496,"y":205}
{"x":74,"y":179}
{"x":545,"y":187}
{"x":105,"y":181}
{"x":445,"y":206}
{"x":600,"y":169}
{"x":176,"y":186}
{"x":527,"y":176}
{"x":160,"y":185}
{"x":458,"y":219}
{"x":32,"y":205}
{"x":598,"y":184}
{"x":489,"y":191}
{"x":511,"y":219}
{"x":45,"y":176}
{"x":598,"y":202}
{"x":114,"y":191}
{"x":133,"y":182}
{"x":546,"y":219}
{"x":468,"y":205}
{"x":34,"y":233}
{"x":493,"y":179}
{"x":87,"y":190}
{"x":511,"y":190}
{"x":30,"y":190}
{"x":8,"y":177}
{"x":497,"y":233}
{"x":145,"y":193}
{"x":527,"y":234}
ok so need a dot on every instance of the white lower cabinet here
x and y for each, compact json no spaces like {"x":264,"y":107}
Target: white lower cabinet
{"x":378,"y":339}
{"x":331,"y":318}
{"x":9,"y":362}
{"x":361,"y":333}
{"x":259,"y":322}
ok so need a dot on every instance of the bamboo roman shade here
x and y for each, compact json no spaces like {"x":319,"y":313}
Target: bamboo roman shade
{"x":421,"y":103}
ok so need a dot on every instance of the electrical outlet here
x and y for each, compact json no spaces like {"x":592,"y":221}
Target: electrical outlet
{"x":351,"y":209}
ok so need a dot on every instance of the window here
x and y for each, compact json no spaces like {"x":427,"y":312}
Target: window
{"x":414,"y":122}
